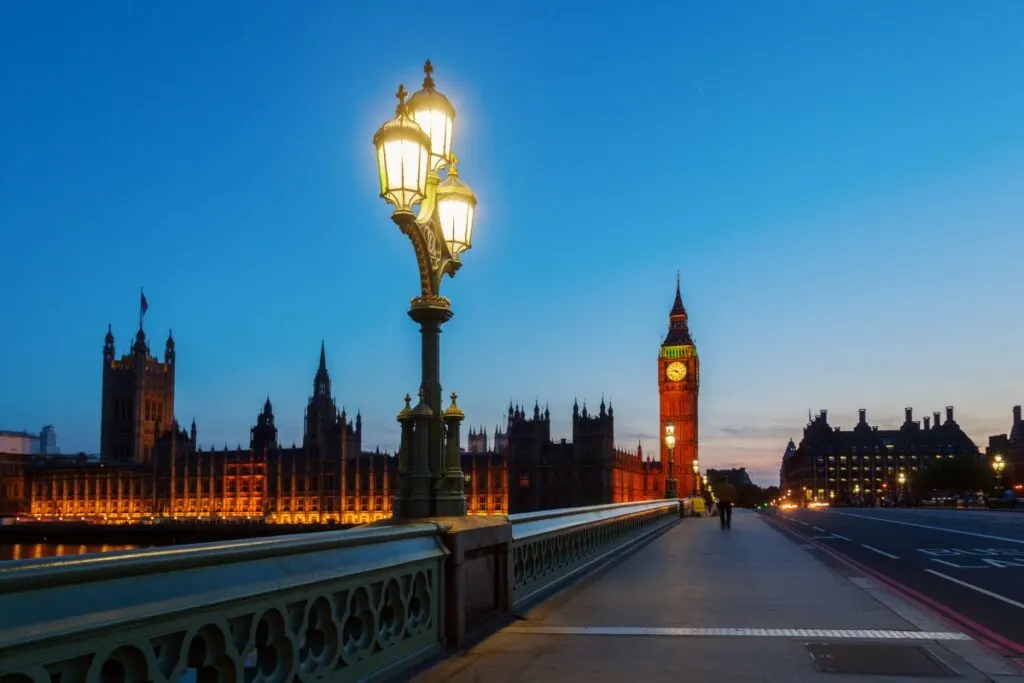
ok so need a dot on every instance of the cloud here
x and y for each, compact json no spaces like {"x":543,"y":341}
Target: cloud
{"x":780,"y":432}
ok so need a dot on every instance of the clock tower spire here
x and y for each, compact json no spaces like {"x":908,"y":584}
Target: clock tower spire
{"x":678,"y":386}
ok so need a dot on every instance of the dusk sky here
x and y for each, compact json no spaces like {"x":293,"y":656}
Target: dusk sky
{"x":839,"y":184}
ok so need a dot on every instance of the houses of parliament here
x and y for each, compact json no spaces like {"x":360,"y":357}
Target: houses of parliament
{"x":151,"y":468}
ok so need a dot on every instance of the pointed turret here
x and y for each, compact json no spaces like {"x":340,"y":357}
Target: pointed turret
{"x":169,"y":348}
{"x":678,"y":328}
{"x":108,"y":345}
{"x":322,"y":380}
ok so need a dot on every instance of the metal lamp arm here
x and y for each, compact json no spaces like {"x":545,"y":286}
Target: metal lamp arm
{"x":432,"y":254}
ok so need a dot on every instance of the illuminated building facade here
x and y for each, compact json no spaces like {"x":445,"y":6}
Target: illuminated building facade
{"x":590,"y":470}
{"x":831,"y":465}
{"x":150,"y":468}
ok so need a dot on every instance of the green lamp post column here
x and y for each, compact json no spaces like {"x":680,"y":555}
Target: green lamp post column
{"x":413,"y":149}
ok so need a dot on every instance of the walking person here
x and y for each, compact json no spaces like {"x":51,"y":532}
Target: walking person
{"x":726,"y":499}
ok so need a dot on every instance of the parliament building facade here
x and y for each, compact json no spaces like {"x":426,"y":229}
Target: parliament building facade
{"x":151,"y":468}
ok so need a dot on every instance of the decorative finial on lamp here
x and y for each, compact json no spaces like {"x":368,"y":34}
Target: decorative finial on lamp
{"x":453,"y":169}
{"x":428,"y":78}
{"x":408,"y":401}
{"x":401,"y":95}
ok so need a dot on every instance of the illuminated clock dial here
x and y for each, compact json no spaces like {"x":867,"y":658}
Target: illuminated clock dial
{"x":675,"y":371}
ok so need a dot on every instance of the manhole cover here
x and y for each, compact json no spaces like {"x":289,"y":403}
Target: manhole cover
{"x":876,"y":659}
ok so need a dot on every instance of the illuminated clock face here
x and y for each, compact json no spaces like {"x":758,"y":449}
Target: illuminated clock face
{"x":675,"y":371}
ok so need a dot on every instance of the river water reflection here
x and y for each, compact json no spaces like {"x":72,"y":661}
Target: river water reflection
{"x":25,"y":551}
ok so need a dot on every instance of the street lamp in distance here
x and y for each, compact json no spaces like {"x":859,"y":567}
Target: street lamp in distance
{"x":413,"y":150}
{"x":998,"y":464}
{"x":696,"y":475}
{"x":671,"y":489}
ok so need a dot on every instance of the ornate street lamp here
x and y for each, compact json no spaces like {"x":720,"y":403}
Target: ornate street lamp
{"x":670,"y":443}
{"x":696,"y":474}
{"x":998,"y":464}
{"x":413,"y":150}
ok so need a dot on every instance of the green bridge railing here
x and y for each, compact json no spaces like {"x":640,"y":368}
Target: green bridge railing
{"x":357,"y":605}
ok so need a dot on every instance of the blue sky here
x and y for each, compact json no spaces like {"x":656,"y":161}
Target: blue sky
{"x":839,"y":184}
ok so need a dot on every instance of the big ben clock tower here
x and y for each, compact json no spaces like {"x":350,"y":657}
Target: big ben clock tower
{"x":678,"y":385}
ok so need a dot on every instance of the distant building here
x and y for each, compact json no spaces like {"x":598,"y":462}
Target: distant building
{"x":48,"y":441}
{"x":13,"y":490}
{"x":477,"y":440}
{"x":737,"y":476}
{"x":1011,"y":447}
{"x":25,"y":443}
{"x":832,"y":465}
{"x":544,"y":474}
{"x":19,"y":443}
{"x":786,"y":455}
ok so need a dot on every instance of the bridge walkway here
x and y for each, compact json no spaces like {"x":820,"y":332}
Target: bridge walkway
{"x":703,"y":604}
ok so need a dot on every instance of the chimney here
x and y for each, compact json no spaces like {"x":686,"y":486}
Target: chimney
{"x":909,"y":414}
{"x":863,"y":415}
{"x":949,"y":413}
{"x":1016,"y":415}
{"x":927,"y":423}
{"x":936,"y":418}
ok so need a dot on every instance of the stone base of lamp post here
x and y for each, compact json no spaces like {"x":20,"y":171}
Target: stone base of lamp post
{"x":414,"y":497}
{"x":431,"y":482}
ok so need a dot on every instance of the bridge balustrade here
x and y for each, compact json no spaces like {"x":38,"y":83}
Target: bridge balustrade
{"x":352,"y":605}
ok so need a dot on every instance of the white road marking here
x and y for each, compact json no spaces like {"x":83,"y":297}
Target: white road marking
{"x":818,"y":528}
{"x":933,"y":528}
{"x":958,"y":566}
{"x":842,"y":537}
{"x":997,"y":596}
{"x":880,"y":552}
{"x":875,"y":634}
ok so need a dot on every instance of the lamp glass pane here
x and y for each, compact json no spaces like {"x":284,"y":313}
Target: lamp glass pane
{"x":382,"y":171}
{"x":437,"y":124}
{"x":456,"y":218}
{"x":405,"y":164}
{"x":670,"y":441}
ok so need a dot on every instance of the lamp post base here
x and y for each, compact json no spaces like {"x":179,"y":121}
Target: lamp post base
{"x":435,"y":487}
{"x":414,"y":506}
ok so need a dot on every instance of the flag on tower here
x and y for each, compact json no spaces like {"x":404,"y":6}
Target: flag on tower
{"x":143,"y":307}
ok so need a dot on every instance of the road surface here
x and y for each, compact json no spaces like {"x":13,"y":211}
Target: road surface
{"x":968,"y":566}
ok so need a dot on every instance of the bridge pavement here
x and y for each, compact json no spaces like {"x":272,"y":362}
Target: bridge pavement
{"x":702,"y":604}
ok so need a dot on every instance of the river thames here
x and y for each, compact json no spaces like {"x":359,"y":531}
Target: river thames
{"x":25,"y":551}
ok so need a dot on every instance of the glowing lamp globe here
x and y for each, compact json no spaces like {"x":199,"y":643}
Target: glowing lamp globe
{"x":436,"y":116}
{"x":696,"y":467}
{"x":670,"y":436}
{"x":456,"y":209}
{"x":403,"y":152}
